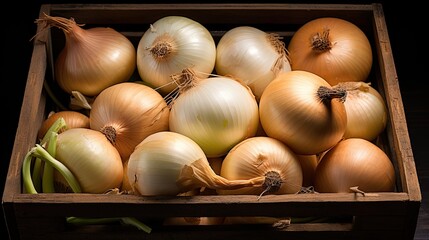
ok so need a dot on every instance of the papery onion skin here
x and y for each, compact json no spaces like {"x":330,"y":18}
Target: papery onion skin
{"x":216,"y":113}
{"x":366,"y":111}
{"x":132,"y":111}
{"x":72,"y":119}
{"x":355,"y":162}
{"x":156,"y":163}
{"x":347,"y":59}
{"x":92,"y":59}
{"x":257,"y":156}
{"x":91,"y":158}
{"x":185,"y":44}
{"x":291,"y":110}
{"x":252,"y":55}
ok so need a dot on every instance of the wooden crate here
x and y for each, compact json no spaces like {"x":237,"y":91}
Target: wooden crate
{"x":388,"y":215}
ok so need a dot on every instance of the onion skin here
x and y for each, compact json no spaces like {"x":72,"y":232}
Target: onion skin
{"x":292,"y":111}
{"x":347,"y":59}
{"x":354,"y":162}
{"x":73,"y":119}
{"x":91,"y":158}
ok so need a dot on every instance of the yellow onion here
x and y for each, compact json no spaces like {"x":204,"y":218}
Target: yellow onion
{"x":263,"y":157}
{"x":355,"y":162}
{"x":92,"y":59}
{"x":127,"y":113}
{"x":333,"y":48}
{"x":72,"y":119}
{"x":303,"y":111}
{"x":366,"y":111}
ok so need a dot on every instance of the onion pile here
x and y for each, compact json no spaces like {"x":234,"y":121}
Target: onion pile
{"x":270,"y":121}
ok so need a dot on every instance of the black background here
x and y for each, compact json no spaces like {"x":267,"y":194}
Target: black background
{"x":406,"y":27}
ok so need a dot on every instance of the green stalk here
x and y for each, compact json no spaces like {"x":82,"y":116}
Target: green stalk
{"x":36,"y":176}
{"x":48,"y":170}
{"x":37,"y":168}
{"x":136,"y":223}
{"x":26,"y":173}
{"x":40,"y":152}
{"x":50,"y":163}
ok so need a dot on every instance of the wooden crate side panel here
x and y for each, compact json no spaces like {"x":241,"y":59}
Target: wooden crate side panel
{"x":399,"y":138}
{"x":31,"y":117}
{"x":90,"y":205}
{"x":322,"y":231}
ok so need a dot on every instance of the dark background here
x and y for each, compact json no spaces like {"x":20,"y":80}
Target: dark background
{"x":407,"y":30}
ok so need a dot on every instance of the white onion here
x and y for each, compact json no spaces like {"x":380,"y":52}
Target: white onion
{"x":216,"y":112}
{"x":252,"y":55}
{"x":170,"y":45}
{"x":169,"y":163}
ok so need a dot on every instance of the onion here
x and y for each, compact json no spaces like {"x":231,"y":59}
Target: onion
{"x":92,"y":159}
{"x":252,"y":55}
{"x":170,"y":45}
{"x":366,"y":111}
{"x":169,"y":163}
{"x":302,"y":110}
{"x":355,"y":162}
{"x":127,"y":113}
{"x":335,"y":49}
{"x":263,"y":157}
{"x":72,"y":119}
{"x":216,"y":112}
{"x":92,"y":59}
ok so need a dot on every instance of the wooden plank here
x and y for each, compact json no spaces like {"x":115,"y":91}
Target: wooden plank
{"x":89,"y":205}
